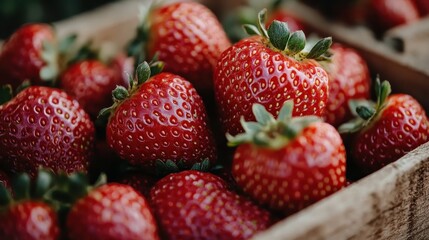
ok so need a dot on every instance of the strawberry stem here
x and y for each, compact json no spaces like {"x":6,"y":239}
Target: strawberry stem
{"x":268,"y":131}
{"x":5,"y":94}
{"x":291,"y":44}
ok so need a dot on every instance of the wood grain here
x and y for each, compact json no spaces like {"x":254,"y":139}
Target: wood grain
{"x":392,"y":203}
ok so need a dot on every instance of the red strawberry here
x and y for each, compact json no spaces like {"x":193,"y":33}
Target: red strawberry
{"x":422,"y":6}
{"x":386,"y":130}
{"x":197,"y":205}
{"x":270,"y":69}
{"x":91,"y":83}
{"x":29,"y":54}
{"x":112,"y":211}
{"x":288,"y":163}
{"x":29,"y":220}
{"x":27,"y":216}
{"x":386,"y":14}
{"x":160,"y":120}
{"x":188,"y":38}
{"x":140,"y":182}
{"x":44,"y":127}
{"x":348,"y":79}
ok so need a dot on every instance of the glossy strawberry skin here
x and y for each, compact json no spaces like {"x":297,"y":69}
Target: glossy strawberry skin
{"x":197,"y":205}
{"x":309,"y":168}
{"x":189,"y":39}
{"x":29,"y":221}
{"x":91,"y":83}
{"x":20,"y":56}
{"x":164,"y":119}
{"x":399,"y":128}
{"x":112,"y":211}
{"x":386,"y":14}
{"x":249,"y":73}
{"x":44,"y":127}
{"x":348,"y":79}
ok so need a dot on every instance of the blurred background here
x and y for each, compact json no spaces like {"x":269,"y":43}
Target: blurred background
{"x":14,"y":13}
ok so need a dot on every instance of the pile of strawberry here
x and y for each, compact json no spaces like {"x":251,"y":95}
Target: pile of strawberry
{"x":380,"y":15}
{"x":159,"y":133}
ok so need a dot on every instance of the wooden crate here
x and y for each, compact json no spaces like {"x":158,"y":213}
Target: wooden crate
{"x":392,"y":203}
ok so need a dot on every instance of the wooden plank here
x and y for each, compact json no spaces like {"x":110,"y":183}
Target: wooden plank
{"x":389,"y":204}
{"x":113,"y":24}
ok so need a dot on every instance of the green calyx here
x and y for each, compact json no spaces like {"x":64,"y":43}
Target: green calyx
{"x":137,"y":48}
{"x":24,"y":189}
{"x":367,"y":111}
{"x":144,"y":71}
{"x":166,"y":167}
{"x":279,"y":37}
{"x":268,"y":131}
{"x":6,"y":94}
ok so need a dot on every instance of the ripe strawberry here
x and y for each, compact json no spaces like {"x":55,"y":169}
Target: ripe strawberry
{"x":112,"y":211}
{"x":29,"y":220}
{"x":386,"y":130}
{"x":188,"y":38}
{"x":29,"y":54}
{"x":91,"y":83}
{"x":422,"y":6}
{"x":288,"y":163}
{"x":197,"y":205}
{"x":160,"y":121}
{"x":348,"y":79}
{"x":270,"y":69}
{"x":26,"y":217}
{"x":386,"y":14}
{"x":44,"y":127}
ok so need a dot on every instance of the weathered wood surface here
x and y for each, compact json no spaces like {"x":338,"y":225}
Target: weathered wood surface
{"x":392,"y":203}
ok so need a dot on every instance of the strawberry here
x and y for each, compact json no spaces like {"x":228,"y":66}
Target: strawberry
{"x":91,"y":83}
{"x":160,"y":122}
{"x":386,"y":14}
{"x":45,"y":127}
{"x":348,"y":79}
{"x":385,"y":130}
{"x":422,"y":6}
{"x":188,"y":38}
{"x":112,"y":211}
{"x":288,"y":163}
{"x":29,"y":54}
{"x":197,"y":205}
{"x":270,"y":69}
{"x":29,"y":220}
{"x":26,"y":217}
